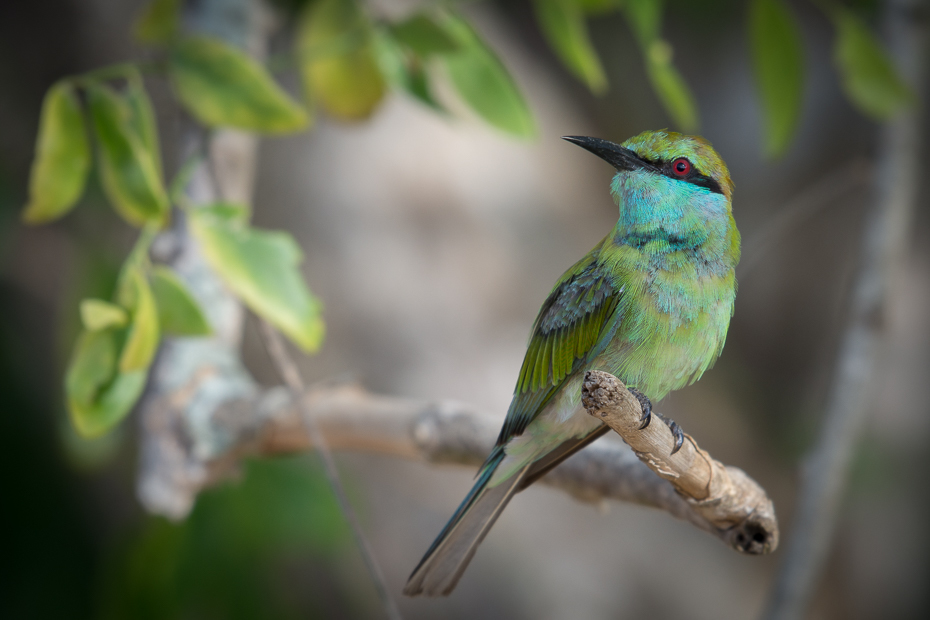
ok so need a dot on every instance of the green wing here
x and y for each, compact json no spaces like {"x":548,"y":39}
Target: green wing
{"x":566,"y":333}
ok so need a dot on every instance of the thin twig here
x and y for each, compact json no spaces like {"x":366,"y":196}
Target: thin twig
{"x":291,"y":376}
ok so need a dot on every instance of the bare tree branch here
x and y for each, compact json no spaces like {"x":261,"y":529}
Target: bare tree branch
{"x":198,"y":455}
{"x":225,"y":172}
{"x":885,"y":237}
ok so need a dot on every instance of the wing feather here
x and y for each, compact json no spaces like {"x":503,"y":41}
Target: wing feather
{"x":569,"y":327}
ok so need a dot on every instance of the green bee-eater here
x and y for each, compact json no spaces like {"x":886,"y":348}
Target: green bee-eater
{"x":650,"y":304}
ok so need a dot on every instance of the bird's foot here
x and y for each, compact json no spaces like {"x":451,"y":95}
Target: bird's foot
{"x":676,"y":432}
{"x":646,"y":405}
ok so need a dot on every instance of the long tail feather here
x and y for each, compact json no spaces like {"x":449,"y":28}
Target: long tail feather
{"x":448,"y":557}
{"x":550,"y":461}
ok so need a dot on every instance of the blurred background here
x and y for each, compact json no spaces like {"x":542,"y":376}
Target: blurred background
{"x":432,"y":242}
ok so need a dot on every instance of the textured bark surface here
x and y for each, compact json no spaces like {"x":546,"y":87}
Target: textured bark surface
{"x":735,"y":507}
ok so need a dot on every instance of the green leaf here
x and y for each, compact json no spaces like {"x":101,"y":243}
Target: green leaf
{"x":143,"y":334}
{"x":422,"y":35}
{"x":778,"y":61}
{"x":563,"y":23}
{"x":97,"y":314}
{"x":483,"y":82}
{"x":404,"y":71}
{"x":337,"y":59}
{"x":142,"y":118}
{"x":418,"y":85}
{"x":159,"y":22}
{"x":670,"y":87}
{"x":62,"y":159}
{"x":234,"y":213}
{"x":599,"y":7}
{"x":222,"y":86}
{"x":645,"y":18}
{"x":127,"y":170}
{"x":109,"y":367}
{"x":98,"y":395}
{"x":869,"y":77}
{"x":261,"y":267}
{"x":178,"y":312}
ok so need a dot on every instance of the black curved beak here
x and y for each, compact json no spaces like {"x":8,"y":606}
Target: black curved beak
{"x":614,"y":154}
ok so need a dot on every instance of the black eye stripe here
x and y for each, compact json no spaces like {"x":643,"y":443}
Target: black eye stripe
{"x":693,"y":177}
{"x":703,"y":181}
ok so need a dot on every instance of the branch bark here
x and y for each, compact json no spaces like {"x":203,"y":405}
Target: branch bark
{"x":267,"y":423}
{"x":736,"y":508}
{"x":225,"y":173}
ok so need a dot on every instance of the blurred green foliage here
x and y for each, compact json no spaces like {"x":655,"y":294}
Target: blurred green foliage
{"x":222,"y":86}
{"x":778,"y":63}
{"x":247,"y":550}
{"x":263,"y":269}
{"x":62,"y":157}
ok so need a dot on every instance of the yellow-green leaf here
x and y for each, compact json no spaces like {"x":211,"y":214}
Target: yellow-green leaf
{"x":337,"y":59}
{"x":869,"y":77}
{"x":262,"y":268}
{"x":178,"y":312}
{"x":98,"y":395}
{"x":97,"y":314}
{"x":62,"y":158}
{"x":158,"y":22}
{"x":778,"y":63}
{"x":483,"y":82}
{"x":563,"y":23}
{"x":422,"y":35}
{"x":142,"y":119}
{"x":670,"y":87}
{"x":143,"y":333}
{"x":127,"y":170}
{"x":222,"y":86}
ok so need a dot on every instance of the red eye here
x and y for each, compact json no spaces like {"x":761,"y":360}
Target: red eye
{"x":681,"y":167}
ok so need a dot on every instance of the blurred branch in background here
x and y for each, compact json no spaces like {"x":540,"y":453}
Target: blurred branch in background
{"x":884,"y":243}
{"x":225,"y":172}
{"x":847,"y":179}
{"x":195,"y":456}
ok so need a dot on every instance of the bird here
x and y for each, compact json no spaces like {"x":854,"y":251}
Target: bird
{"x":650,"y":304}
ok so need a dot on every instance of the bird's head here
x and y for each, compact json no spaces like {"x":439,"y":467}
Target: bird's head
{"x":673,"y":192}
{"x":684,"y":159}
